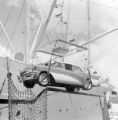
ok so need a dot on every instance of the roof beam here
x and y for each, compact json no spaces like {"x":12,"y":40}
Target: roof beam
{"x":49,"y":53}
{"x":73,"y":44}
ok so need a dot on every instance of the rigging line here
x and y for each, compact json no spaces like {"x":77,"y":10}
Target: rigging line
{"x":4,"y":107}
{"x":50,"y":36}
{"x":43,"y":11}
{"x":70,"y":99}
{"x":74,"y":33}
{"x":88,"y":32}
{"x":55,"y":34}
{"x":58,"y":22}
{"x":61,"y":19}
{"x":7,"y":17}
{"x":101,"y":36}
{"x":52,"y":94}
{"x":11,"y":35}
{"x":101,"y":106}
{"x":97,"y":4}
{"x":68,"y":19}
{"x":103,"y":6}
{"x":2,"y":86}
{"x":51,"y":57}
{"x":6,"y":35}
{"x":94,"y":19}
{"x":18,"y":19}
{"x":42,"y":32}
{"x":103,"y":53}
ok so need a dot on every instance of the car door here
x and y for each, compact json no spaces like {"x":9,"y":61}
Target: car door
{"x":63,"y":74}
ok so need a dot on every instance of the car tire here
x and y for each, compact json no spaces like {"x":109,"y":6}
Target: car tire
{"x":87,"y":85}
{"x":43,"y":79}
{"x":70,"y":89}
{"x":29,"y":84}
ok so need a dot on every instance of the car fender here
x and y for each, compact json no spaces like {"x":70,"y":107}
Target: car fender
{"x":49,"y":75}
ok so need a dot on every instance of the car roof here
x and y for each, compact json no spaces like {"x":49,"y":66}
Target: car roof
{"x":67,"y":63}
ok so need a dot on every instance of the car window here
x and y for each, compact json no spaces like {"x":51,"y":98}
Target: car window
{"x":68,"y":67}
{"x":57,"y":64}
{"x":76,"y":68}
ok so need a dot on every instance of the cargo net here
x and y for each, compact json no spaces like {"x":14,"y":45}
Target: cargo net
{"x":25,"y":105}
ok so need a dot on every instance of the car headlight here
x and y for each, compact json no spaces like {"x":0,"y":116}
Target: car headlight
{"x":19,"y":78}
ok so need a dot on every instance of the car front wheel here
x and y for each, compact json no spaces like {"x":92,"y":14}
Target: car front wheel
{"x":87,"y":84}
{"x":43,"y":79}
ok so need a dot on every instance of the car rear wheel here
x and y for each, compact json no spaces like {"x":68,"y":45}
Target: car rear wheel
{"x":43,"y":79}
{"x":70,"y":89}
{"x":87,"y":84}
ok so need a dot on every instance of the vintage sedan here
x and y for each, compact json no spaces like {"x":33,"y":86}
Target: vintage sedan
{"x":56,"y":74}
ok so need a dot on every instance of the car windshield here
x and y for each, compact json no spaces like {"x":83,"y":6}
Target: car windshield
{"x":76,"y":68}
{"x":57,"y":64}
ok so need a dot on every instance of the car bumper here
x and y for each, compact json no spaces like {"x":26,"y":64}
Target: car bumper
{"x":24,"y":78}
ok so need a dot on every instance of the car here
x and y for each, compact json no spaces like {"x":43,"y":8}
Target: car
{"x":56,"y":74}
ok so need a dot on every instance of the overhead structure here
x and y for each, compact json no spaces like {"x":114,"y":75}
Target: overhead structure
{"x":42,"y":30}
